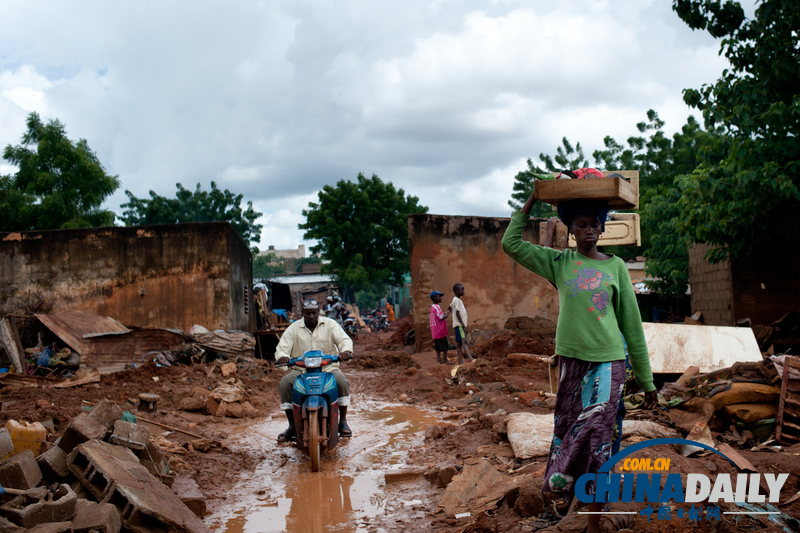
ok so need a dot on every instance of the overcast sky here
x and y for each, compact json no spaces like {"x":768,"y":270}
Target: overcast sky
{"x":274,"y":99}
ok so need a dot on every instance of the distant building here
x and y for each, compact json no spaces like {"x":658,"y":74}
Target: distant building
{"x":302,"y":286}
{"x":298,"y":253}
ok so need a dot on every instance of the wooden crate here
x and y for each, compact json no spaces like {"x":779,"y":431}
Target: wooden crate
{"x":622,"y":229}
{"x":619,"y":193}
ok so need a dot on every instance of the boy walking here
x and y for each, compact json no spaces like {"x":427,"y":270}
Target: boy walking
{"x":459,"y":314}
{"x":439,"y":328}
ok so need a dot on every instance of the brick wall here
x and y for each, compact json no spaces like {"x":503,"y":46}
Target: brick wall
{"x":711,"y":287}
{"x":766,"y":286}
{"x":762,"y":288}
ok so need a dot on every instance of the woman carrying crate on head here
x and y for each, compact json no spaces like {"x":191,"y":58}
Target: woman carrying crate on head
{"x":596,"y":302}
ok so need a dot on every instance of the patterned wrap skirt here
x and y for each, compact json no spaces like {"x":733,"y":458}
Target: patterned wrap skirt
{"x":587,"y":411}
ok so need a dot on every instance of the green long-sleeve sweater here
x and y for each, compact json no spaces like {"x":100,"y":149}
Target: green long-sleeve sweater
{"x":596,"y":302}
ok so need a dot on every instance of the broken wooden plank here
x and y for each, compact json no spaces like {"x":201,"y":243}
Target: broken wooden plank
{"x":11,"y":344}
{"x":127,"y":347}
{"x":93,"y":376}
{"x":740,"y":462}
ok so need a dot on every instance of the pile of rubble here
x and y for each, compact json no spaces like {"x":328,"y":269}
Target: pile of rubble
{"x":104,"y":473}
{"x":229,"y":398}
{"x":58,"y":344}
{"x":740,"y":403}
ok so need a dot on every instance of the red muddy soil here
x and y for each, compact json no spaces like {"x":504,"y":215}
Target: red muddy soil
{"x":476,"y":399}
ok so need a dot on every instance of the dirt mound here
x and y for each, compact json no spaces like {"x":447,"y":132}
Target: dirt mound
{"x":403,"y":326}
{"x":479,"y":372}
{"x":506,"y":342}
{"x":462,"y":440}
{"x":535,"y":328}
{"x":383,"y":359}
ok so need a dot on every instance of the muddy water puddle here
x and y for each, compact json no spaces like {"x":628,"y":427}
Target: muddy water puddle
{"x":349,"y":493}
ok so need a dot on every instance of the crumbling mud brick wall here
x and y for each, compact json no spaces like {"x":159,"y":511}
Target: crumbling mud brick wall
{"x":446,"y":250}
{"x":762,"y":288}
{"x":174,"y":275}
{"x":711,"y":287}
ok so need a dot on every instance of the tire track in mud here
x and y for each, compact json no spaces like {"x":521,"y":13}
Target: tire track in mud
{"x":349,"y":494}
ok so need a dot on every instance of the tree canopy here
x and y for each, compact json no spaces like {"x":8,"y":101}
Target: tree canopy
{"x":362,"y":228}
{"x":267,"y":265}
{"x":751,"y":172}
{"x":659,"y":160}
{"x":197,"y":206}
{"x":566,"y":158}
{"x":60,"y":184}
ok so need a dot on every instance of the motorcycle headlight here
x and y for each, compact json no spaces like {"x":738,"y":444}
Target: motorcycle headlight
{"x":313,"y":362}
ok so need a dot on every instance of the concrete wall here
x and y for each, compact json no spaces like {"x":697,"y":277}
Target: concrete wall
{"x":762,"y":288}
{"x":446,"y":250}
{"x":173,"y":275}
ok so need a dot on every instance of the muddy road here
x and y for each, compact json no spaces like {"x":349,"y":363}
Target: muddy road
{"x":416,"y":424}
{"x":360,"y":486}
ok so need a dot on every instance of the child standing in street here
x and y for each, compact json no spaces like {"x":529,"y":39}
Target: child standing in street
{"x":459,"y":314}
{"x":439,"y":328}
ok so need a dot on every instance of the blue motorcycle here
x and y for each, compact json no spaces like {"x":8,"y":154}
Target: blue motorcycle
{"x":315,"y":404}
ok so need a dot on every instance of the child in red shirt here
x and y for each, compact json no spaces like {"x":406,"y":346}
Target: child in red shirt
{"x":439,"y":328}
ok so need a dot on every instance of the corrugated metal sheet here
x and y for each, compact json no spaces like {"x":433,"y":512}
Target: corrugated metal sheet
{"x":74,"y":327}
{"x":305,"y":279}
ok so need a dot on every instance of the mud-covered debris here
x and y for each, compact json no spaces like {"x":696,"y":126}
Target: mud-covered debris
{"x":477,"y":488}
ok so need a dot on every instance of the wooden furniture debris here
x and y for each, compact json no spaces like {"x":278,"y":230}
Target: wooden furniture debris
{"x":788,"y":427}
{"x":618,"y":192}
{"x":9,"y":338}
{"x":148,"y":401}
{"x":621,"y":229}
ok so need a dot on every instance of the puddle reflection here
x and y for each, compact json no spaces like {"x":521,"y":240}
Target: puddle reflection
{"x":348,"y":492}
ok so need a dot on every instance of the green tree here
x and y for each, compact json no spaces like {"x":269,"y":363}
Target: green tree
{"x":60,"y":184}
{"x":268,"y":265}
{"x":197,"y":206}
{"x":566,"y":158}
{"x":370,"y":297}
{"x":659,"y":160}
{"x":362,"y":228}
{"x":747,"y":187}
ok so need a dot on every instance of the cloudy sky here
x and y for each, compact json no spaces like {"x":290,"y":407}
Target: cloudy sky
{"x":274,"y":99}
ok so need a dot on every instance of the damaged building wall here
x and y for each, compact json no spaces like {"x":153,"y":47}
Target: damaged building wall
{"x":174,"y":275}
{"x":712,"y":287}
{"x":762,"y":288}
{"x":446,"y":250}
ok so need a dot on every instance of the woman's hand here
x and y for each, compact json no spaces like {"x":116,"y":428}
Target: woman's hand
{"x":651,"y":400}
{"x":550,"y":226}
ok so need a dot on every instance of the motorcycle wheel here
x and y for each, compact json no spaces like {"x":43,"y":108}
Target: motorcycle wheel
{"x":313,"y":440}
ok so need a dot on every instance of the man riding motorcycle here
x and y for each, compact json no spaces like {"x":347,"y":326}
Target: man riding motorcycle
{"x":313,"y":333}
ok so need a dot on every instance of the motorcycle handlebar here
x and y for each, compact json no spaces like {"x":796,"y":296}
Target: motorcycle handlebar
{"x":326,"y":358}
